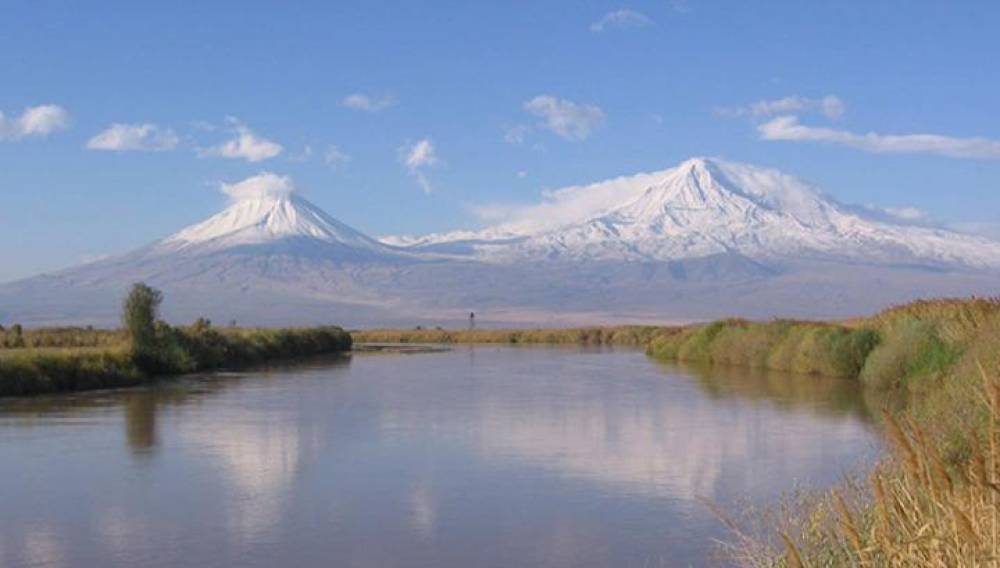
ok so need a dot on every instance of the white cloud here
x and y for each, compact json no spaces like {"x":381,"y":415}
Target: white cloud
{"x":368,"y":103}
{"x":141,"y":137}
{"x":789,"y":128}
{"x":986,"y":229}
{"x":621,"y":19}
{"x":832,"y":107}
{"x":908,"y":213}
{"x":264,"y":184}
{"x":516,"y":134}
{"x":416,"y":158}
{"x":829,"y":106}
{"x":569,"y":120}
{"x":566,"y":205}
{"x":244,"y":145}
{"x":37,"y":121}
{"x":334,"y":157}
{"x":420,"y":155}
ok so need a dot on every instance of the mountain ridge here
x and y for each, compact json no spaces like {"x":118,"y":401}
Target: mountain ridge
{"x":704,"y":239}
{"x":708,"y":206}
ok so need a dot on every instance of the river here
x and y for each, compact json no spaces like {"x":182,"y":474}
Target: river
{"x":477,"y":456}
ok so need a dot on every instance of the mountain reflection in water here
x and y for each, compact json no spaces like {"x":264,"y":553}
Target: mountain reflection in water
{"x":479,"y":456}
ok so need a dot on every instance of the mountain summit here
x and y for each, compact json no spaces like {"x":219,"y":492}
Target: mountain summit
{"x":704,"y":239}
{"x":705,"y":207}
{"x":264,"y":212}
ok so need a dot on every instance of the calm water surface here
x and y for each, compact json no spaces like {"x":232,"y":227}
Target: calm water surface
{"x":481,"y":456}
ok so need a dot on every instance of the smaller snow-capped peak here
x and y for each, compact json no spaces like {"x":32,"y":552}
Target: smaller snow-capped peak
{"x":265,"y":209}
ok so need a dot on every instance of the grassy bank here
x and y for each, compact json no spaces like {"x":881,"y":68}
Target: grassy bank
{"x":797,"y":347}
{"x":181,"y":350}
{"x":934,"y":501}
{"x":72,"y":359}
{"x":619,"y":335}
{"x":15,"y":337}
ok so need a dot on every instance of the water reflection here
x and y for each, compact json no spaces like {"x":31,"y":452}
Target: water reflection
{"x":477,"y":457}
{"x":824,"y":395}
{"x":665,"y":440}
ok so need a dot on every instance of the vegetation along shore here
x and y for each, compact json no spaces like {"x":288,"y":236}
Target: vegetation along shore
{"x":934,"y":500}
{"x":69,"y":359}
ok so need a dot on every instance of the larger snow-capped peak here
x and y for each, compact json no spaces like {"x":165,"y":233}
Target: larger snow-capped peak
{"x":704,"y":207}
{"x":266,"y":209}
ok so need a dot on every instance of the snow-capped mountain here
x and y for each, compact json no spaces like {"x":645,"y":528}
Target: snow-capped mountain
{"x":705,"y":207}
{"x":257,"y":221}
{"x":266,"y":211}
{"x":704,"y":239}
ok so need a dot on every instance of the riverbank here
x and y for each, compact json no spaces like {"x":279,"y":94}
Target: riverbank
{"x":611,"y":335}
{"x":933,"y":502}
{"x":928,"y":350}
{"x":200,"y":347}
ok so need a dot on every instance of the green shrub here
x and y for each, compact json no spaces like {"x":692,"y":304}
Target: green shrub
{"x":799,"y":347}
{"x":910,"y":348}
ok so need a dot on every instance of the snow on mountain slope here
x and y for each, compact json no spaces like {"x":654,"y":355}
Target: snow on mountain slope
{"x":265,"y":209}
{"x":704,"y":239}
{"x":704,"y":207}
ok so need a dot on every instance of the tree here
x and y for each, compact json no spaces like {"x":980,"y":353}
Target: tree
{"x":18,"y":331}
{"x":139,"y":314}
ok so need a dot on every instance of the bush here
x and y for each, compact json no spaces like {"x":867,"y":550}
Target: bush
{"x":799,"y":347}
{"x":911,"y":348}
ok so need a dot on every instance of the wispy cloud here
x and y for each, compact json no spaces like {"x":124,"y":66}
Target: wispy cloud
{"x":264,"y":184}
{"x":908,"y":213}
{"x":37,"y":121}
{"x":829,"y":106}
{"x":516,"y":134}
{"x":416,"y":158}
{"x":245,"y":145}
{"x":990,"y":230}
{"x":134,"y":137}
{"x":681,"y":7}
{"x":789,"y":128}
{"x":368,"y":103}
{"x":334,"y":157}
{"x":563,"y":206}
{"x":570,"y":120}
{"x":304,"y":156}
{"x":623,"y":18}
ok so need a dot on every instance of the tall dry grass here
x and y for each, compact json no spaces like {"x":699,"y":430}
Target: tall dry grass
{"x":16,"y":337}
{"x":916,"y":510}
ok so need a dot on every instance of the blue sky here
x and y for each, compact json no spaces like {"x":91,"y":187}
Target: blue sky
{"x":437,"y":108}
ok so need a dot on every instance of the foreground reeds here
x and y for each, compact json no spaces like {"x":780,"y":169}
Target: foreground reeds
{"x":914,"y":510}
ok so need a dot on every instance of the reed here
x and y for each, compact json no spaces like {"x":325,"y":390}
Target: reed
{"x":16,"y":337}
{"x":916,"y":510}
{"x":811,"y":348}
